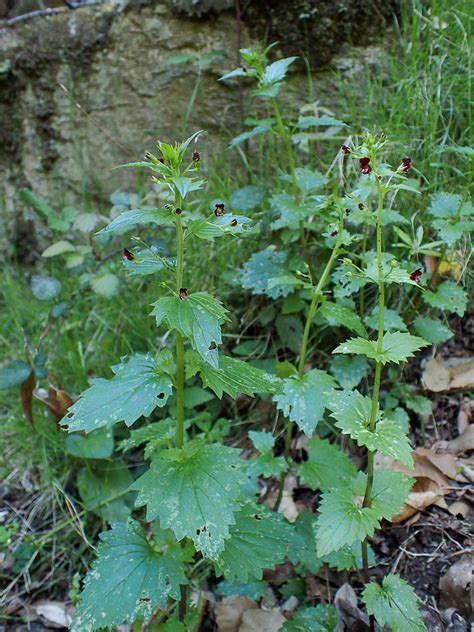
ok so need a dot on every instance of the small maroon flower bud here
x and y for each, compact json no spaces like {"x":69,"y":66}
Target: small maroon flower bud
{"x":360,"y":206}
{"x":196,"y":156}
{"x":178,"y":211}
{"x":183,"y":293}
{"x":348,"y":211}
{"x":219,"y":209}
{"x":162,"y":160}
{"x":334,"y":233}
{"x":233,"y":222}
{"x":345,"y":150}
{"x":128,"y":255}
{"x":406,"y":165}
{"x":416,"y":275}
{"x":364,"y":164}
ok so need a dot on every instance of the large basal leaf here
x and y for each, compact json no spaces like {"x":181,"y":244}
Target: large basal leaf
{"x":247,"y":198}
{"x":449,"y":297}
{"x":394,"y":604}
{"x":343,"y":521}
{"x":327,"y":466}
{"x":198,"y":318}
{"x":323,"y":618}
{"x":259,"y":540}
{"x":352,"y":412}
{"x":128,"y":220}
{"x":233,"y":377}
{"x":130,"y":579}
{"x":397,"y":347}
{"x":445,"y":205}
{"x":304,"y":398}
{"x":136,"y":389}
{"x":290,"y":212}
{"x":194,"y":491}
{"x":261,"y":269}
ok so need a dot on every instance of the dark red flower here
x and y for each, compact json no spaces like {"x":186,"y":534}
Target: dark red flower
{"x":233,"y":222}
{"x":196,"y":156}
{"x":178,"y":211}
{"x":364,"y":164}
{"x":183,"y":293}
{"x":219,"y":209}
{"x":334,"y":233}
{"x":128,"y":255}
{"x":406,"y":165}
{"x":416,"y":275}
{"x":348,"y":211}
{"x":162,"y":160}
{"x":360,"y":206}
{"x":345,"y":150}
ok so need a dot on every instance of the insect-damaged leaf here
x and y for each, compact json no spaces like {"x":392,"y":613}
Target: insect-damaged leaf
{"x":259,"y":539}
{"x":136,"y":389}
{"x":261,"y":269}
{"x":131,"y":577}
{"x":198,"y":318}
{"x":194,"y":491}
{"x":304,"y":398}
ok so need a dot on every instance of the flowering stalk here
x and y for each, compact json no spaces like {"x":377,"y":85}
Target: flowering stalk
{"x":179,"y":337}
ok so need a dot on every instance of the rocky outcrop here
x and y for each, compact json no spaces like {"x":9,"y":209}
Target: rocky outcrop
{"x":84,"y":90}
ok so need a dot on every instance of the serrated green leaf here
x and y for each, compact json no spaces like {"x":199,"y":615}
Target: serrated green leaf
{"x":304,"y":398}
{"x":352,"y":412}
{"x":186,"y":185}
{"x":265,"y":464}
{"x":262,"y":441}
{"x":396,"y":347}
{"x":451,"y":231}
{"x":197,"y":318}
{"x":140,"y":575}
{"x":349,"y":371}
{"x":98,"y":444}
{"x":194,"y":491}
{"x":135,"y":390}
{"x":337,"y":314}
{"x":308,"y":179}
{"x":147,"y":261}
{"x":233,"y":377}
{"x":13,"y":374}
{"x":327,"y":466}
{"x":343,"y":521}
{"x":304,"y":553}
{"x":259,"y":540}
{"x":209,"y":229}
{"x":278,"y":69}
{"x":247,"y":198}
{"x":156,"y":435}
{"x":389,"y":492}
{"x":323,"y":618}
{"x":261,"y":268}
{"x":394,"y":604}
{"x":445,"y":205}
{"x":254,"y":590}
{"x":104,"y":490}
{"x":128,"y":220}
{"x":432,"y":330}
{"x":391,"y":320}
{"x":348,"y":558}
{"x":289,"y":211}
{"x":449,"y":297}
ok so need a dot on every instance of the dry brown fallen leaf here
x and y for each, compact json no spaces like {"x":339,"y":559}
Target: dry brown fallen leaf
{"x":459,"y":508}
{"x":262,"y":620}
{"x":229,"y":612}
{"x":287,"y":505}
{"x":432,"y":473}
{"x":454,"y":586}
{"x":463,"y":443}
{"x":53,"y":613}
{"x":55,"y":399}
{"x":448,"y":374}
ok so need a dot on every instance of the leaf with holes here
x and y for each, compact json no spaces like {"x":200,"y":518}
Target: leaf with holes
{"x":394,"y":604}
{"x":327,"y":466}
{"x":140,"y":574}
{"x":352,"y":412}
{"x":304,"y":398}
{"x":194,"y":491}
{"x":265,"y":464}
{"x":197,"y":318}
{"x":104,"y":490}
{"x":136,"y":389}
{"x":259,"y":540}
{"x":337,"y":314}
{"x":232,"y":377}
{"x":263,"y":267}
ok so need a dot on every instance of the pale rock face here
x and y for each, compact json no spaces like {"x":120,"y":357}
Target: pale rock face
{"x":91,"y":88}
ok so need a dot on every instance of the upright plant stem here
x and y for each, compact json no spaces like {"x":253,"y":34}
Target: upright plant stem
{"x":179,"y":338}
{"x":378,"y":373}
{"x":313,"y":308}
{"x":294,"y":185}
